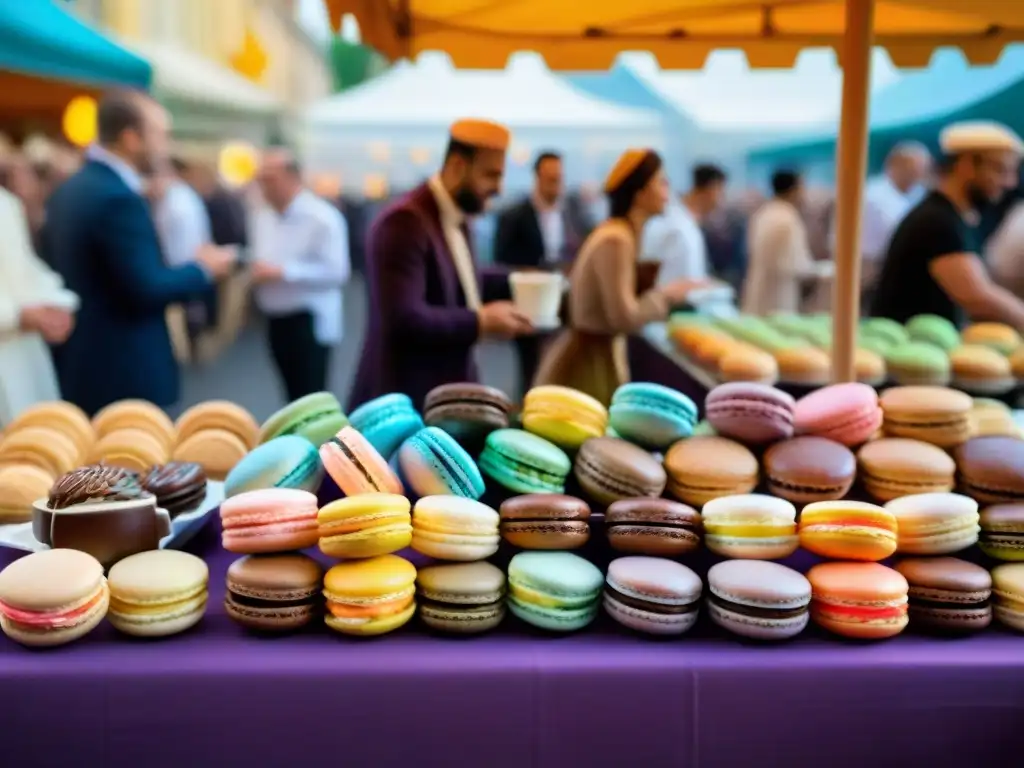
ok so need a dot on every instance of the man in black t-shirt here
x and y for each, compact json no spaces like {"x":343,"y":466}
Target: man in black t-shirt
{"x":932,"y":264}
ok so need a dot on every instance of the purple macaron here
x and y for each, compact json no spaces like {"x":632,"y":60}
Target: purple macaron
{"x":753,"y":414}
{"x":652,"y":595}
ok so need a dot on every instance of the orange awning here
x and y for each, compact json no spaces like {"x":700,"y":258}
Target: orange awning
{"x":577,"y":34}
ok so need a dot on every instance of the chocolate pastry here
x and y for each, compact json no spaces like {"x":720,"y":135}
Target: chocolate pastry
{"x":179,"y":486}
{"x":96,"y":482}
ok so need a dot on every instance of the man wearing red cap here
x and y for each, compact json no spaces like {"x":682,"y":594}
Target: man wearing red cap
{"x":428,"y":299}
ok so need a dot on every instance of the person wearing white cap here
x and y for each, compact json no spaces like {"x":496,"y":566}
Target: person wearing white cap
{"x":932,"y":264}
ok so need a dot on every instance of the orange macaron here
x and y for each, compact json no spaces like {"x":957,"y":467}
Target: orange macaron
{"x":848,"y":530}
{"x":866,"y":601}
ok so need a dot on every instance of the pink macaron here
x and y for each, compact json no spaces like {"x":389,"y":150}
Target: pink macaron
{"x":751,"y":413}
{"x":269,"y":520}
{"x":652,"y":595}
{"x":846,"y":413}
{"x":356,"y":466}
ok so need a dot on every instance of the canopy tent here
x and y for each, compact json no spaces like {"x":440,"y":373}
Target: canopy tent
{"x":681,"y":34}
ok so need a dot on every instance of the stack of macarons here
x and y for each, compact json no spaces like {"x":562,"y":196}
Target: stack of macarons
{"x":217,"y":435}
{"x":134,"y":434}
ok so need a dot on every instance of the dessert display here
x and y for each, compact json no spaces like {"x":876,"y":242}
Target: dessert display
{"x":545,"y":521}
{"x":179,"y":486}
{"x":454,"y":528}
{"x":386,"y":422}
{"x":432,"y":463}
{"x":284,"y":462}
{"x":368,"y":525}
{"x":274,"y":593}
{"x":157,"y":593}
{"x":652,"y":595}
{"x":461,"y":598}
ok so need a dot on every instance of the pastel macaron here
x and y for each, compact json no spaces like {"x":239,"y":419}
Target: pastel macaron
{"x":217,"y":451}
{"x":991,"y":469}
{"x":609,"y":469}
{"x":892,"y":467}
{"x":356,"y":466}
{"x":981,"y":370}
{"x":284,"y":462}
{"x":999,"y":336}
{"x":20,"y":486}
{"x":523,"y":462}
{"x":658,"y":527}
{"x":556,"y":591}
{"x":274,"y":593}
{"x":808,"y":469}
{"x":1002,"y":531}
{"x":848,"y":530}
{"x":366,"y":525}
{"x":432,"y":463}
{"x":846,"y":413}
{"x":157,"y":593}
{"x":935,"y":330}
{"x":61,"y":416}
{"x":866,"y":601}
{"x":316,"y":417}
{"x":467,"y":411}
{"x":53,"y":452}
{"x":219,"y":414}
{"x":652,"y":595}
{"x":1008,"y":588}
{"x":565,"y":416}
{"x":935,"y":523}
{"x":753,"y":414}
{"x":651,"y":415}
{"x":136,"y":414}
{"x":370,"y":597}
{"x":52,"y":597}
{"x":386,"y":422}
{"x":707,"y":467}
{"x":461,"y":598}
{"x":270,"y":520}
{"x":758,"y":600}
{"x":916,"y":364}
{"x":545,"y":521}
{"x":454,"y":528}
{"x":935,"y":415}
{"x":947,"y":595}
{"x":750,"y":525}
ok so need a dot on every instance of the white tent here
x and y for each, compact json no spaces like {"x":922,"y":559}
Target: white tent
{"x":394,"y":127}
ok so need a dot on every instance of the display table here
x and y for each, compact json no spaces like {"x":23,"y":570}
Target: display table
{"x":604,"y":697}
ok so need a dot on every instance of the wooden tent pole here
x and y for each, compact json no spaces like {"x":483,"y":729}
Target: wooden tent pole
{"x":851,"y":167}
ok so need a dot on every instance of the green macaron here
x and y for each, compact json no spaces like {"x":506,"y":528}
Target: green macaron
{"x":918,"y":363}
{"x":316,"y":417}
{"x":557,"y":591}
{"x":933,"y":329}
{"x":523,"y":462}
{"x":884,"y":328}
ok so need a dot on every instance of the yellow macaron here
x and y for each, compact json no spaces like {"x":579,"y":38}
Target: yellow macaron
{"x":45,"y":447}
{"x":848,"y":530}
{"x":20,"y":486}
{"x":366,"y":525}
{"x":157,"y":593}
{"x":136,"y":414}
{"x":217,"y":451}
{"x":370,"y":597}
{"x":219,"y":414}
{"x":566,"y":417}
{"x":998,"y":336}
{"x":134,"y":449}
{"x":60,"y":416}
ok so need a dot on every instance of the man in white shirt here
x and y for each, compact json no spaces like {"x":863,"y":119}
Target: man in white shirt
{"x":300,"y":265}
{"x":780,"y":265}
{"x":675,"y":238}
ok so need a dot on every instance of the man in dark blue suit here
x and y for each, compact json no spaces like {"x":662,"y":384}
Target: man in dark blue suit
{"x":101,"y":237}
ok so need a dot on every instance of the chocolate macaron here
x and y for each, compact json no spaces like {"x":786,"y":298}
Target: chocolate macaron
{"x":1002,"y":531}
{"x":545,"y":521}
{"x":991,"y":469}
{"x":704,"y":468}
{"x":609,"y":469}
{"x":658,"y":527}
{"x":274,"y":593}
{"x":808,"y":469}
{"x":179,"y":486}
{"x":468,"y":412}
{"x":947,"y":594}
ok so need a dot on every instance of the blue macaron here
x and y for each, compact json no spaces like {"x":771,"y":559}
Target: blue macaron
{"x":651,"y":415}
{"x":432,"y":463}
{"x":284,"y":462}
{"x":387,"y":422}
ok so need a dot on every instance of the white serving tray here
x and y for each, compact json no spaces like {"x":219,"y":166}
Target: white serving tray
{"x":183,"y":527}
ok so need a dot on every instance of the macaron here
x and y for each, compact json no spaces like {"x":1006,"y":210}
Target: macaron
{"x":609,"y":469}
{"x":947,"y":595}
{"x":20,"y":486}
{"x":934,"y":415}
{"x":991,"y":469}
{"x":274,"y":593}
{"x":60,"y":416}
{"x":130,"y":448}
{"x":652,"y":595}
{"x":934,"y":523}
{"x":219,"y":414}
{"x":432,"y":463}
{"x":524,"y":463}
{"x":269,"y":520}
{"x":356,"y":466}
{"x":43,"y":447}
{"x":461,"y":598}
{"x":454,"y":528}
{"x":658,"y":527}
{"x":804,"y":365}
{"x":366,"y":525}
{"x":848,"y":530}
{"x":136,"y":414}
{"x":316,"y":417}
{"x":869,"y":367}
{"x":545,"y":521}
{"x":1008,"y":588}
{"x":981,"y":369}
{"x":999,"y":336}
{"x":866,"y":601}
{"x":386,"y":422}
{"x":467,"y":411}
{"x":217,"y":450}
{"x":809,"y":469}
{"x":897,"y":466}
{"x":556,"y":591}
{"x":1017,"y":363}
{"x":753,"y":414}
{"x":745,"y":363}
{"x":157,"y":593}
{"x":284,"y":462}
{"x":566,"y":417}
{"x":52,"y":597}
{"x":993,"y":417}
{"x":847,"y":413}
{"x":750,"y":526}
{"x":703,"y":468}
{"x":935,"y":330}
{"x":651,"y":415}
{"x":1002,"y":531}
{"x":758,"y":600}
{"x":884,"y":328}
{"x":179,"y":486}
{"x":915,"y":363}
{"x":370,"y":597}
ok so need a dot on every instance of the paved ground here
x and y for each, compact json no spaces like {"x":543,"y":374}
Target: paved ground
{"x":246,"y":374}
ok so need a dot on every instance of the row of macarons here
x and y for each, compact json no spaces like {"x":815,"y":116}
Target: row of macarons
{"x":985,"y":358}
{"x":57,"y":596}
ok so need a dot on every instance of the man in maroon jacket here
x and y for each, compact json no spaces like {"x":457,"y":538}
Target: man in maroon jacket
{"x":429,"y":302}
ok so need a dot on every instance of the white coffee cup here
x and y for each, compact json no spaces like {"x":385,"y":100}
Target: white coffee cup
{"x":538,"y":295}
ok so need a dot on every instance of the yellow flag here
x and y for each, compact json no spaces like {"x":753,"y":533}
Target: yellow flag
{"x":251,"y":60}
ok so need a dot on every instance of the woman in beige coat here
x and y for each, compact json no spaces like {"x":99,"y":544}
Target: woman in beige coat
{"x":604,"y":307}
